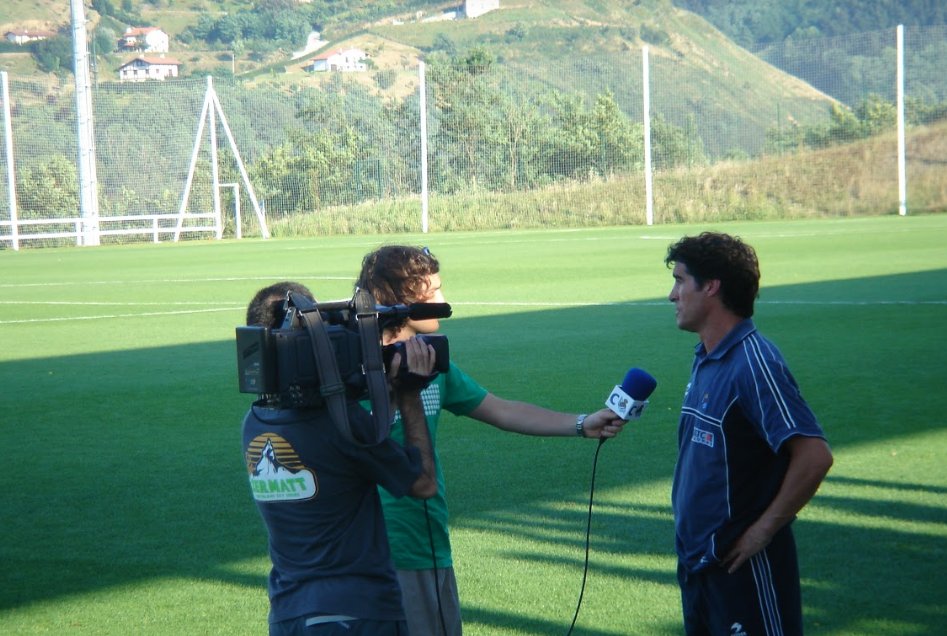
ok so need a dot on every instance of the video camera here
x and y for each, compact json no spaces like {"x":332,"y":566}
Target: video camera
{"x":283,"y":365}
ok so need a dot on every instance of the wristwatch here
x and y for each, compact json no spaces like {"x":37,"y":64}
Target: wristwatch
{"x":580,"y":424}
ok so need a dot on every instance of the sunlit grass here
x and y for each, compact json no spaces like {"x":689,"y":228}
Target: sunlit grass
{"x":126,"y":506}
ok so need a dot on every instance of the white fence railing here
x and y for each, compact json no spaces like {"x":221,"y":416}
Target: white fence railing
{"x":15,"y":233}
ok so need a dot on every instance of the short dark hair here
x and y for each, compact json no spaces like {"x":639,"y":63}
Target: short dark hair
{"x":267,"y":307}
{"x":718,"y":256}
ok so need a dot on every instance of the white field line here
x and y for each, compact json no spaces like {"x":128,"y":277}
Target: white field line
{"x":109,"y":316}
{"x":567,"y":235}
{"x":202,"y":309}
{"x":665,"y":303}
{"x":164,"y":281}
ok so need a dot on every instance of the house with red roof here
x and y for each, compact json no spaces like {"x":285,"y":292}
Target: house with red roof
{"x":148,"y":39}
{"x":343,"y":60}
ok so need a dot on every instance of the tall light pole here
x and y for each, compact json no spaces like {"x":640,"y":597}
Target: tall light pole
{"x":88,"y":182}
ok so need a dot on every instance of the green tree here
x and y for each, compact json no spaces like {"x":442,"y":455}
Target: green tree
{"x":104,"y":7}
{"x":876,"y":114}
{"x":621,"y":144}
{"x":468,"y":149}
{"x":600,"y":141}
{"x":333,"y":155}
{"x":523,"y":124}
{"x":104,"y":41}
{"x":675,"y":146}
{"x":53,"y":55}
{"x":49,"y":190}
{"x":574,"y":148}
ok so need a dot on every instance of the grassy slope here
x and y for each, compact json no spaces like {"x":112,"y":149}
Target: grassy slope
{"x":563,"y":38}
{"x":33,"y":14}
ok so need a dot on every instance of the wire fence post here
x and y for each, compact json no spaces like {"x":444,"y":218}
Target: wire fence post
{"x":8,"y":149}
{"x":646,"y":116}
{"x":902,"y":160}
{"x":423,"y":132}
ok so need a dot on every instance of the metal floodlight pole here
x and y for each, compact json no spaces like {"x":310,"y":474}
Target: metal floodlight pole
{"x":88,"y":182}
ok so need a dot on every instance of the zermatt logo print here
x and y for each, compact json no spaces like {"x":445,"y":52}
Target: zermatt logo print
{"x":276,"y":473}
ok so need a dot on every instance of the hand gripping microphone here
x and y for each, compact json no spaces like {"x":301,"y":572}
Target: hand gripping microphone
{"x":628,"y":400}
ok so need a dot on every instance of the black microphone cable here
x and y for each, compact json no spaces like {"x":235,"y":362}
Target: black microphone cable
{"x":588,"y":535}
{"x":437,"y":583}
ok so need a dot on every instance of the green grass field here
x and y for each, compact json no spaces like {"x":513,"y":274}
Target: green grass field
{"x":126,"y":507}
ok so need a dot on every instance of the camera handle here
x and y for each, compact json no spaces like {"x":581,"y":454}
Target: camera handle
{"x":332,"y":388}
{"x":374,"y":366}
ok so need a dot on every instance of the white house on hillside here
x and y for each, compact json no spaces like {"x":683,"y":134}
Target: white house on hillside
{"x":345,"y":60}
{"x":142,"y":69}
{"x":475,"y":8}
{"x":148,"y":39}
{"x":23,"y":36}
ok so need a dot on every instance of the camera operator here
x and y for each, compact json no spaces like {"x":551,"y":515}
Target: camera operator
{"x":317,"y":493}
{"x":398,"y":274}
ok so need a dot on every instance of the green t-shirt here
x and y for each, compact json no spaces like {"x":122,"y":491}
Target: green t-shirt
{"x":407,"y":525}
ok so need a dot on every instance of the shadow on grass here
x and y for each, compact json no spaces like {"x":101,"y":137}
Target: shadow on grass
{"x":126,"y":466}
{"x":883,"y":484}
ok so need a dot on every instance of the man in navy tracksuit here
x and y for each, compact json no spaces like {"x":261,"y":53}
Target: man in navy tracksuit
{"x":751,"y":453}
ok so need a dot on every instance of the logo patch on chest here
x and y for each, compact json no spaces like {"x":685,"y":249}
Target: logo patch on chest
{"x":703,"y":437}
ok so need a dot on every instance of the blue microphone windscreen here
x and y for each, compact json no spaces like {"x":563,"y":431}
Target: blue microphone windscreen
{"x":639,"y":384}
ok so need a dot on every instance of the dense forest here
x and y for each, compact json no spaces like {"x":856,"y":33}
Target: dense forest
{"x":759,"y":23}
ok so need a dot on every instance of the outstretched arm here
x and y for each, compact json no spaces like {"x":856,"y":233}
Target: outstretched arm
{"x":809,"y":462}
{"x":529,"y":419}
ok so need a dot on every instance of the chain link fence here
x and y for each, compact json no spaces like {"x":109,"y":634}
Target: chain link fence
{"x":507,"y":145}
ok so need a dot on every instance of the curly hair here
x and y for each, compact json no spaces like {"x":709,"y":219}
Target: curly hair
{"x":397,"y":274}
{"x":267,"y":307}
{"x":718,"y":256}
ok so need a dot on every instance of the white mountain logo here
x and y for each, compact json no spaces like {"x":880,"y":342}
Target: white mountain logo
{"x":276,"y":472}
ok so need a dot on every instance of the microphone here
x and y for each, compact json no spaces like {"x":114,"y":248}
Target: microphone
{"x":628,"y":399}
{"x":393,"y":314}
{"x":425,"y":311}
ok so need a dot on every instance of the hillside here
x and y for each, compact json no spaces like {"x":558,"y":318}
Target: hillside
{"x":33,"y":14}
{"x":698,"y":76}
{"x":701,"y":78}
{"x":758,"y":23}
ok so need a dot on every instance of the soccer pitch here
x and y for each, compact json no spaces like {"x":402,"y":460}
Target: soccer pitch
{"x":126,"y":507}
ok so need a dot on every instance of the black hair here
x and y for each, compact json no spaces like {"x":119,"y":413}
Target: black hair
{"x":718,"y":256}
